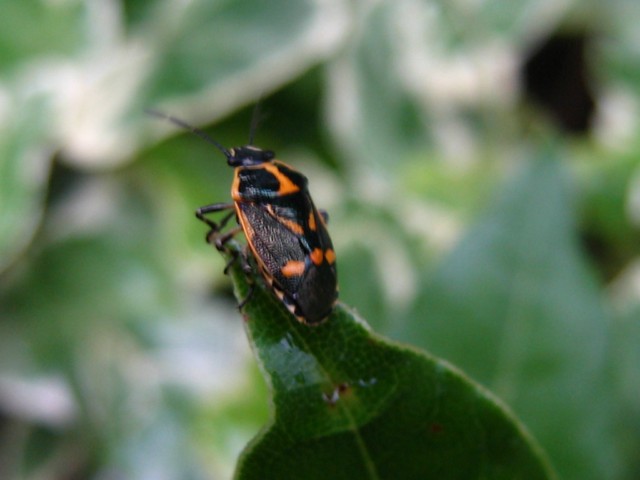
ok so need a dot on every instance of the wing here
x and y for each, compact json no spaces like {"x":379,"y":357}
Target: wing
{"x":289,"y":240}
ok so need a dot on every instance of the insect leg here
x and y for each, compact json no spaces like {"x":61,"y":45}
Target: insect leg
{"x":242,"y":258}
{"x":244,"y":301}
{"x":220,"y":240}
{"x":214,"y":207}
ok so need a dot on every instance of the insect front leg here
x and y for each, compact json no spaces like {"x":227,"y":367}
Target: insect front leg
{"x":220,"y":240}
{"x":215,"y":235}
{"x":214,"y":208}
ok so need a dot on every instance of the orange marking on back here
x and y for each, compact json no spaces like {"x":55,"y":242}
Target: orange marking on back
{"x":312,"y":221}
{"x":287,"y":187}
{"x":330,"y":255}
{"x":293,"y":268}
{"x":316,"y":256}
{"x":291,"y":225}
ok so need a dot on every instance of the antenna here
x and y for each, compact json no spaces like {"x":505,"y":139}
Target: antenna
{"x":186,"y":126}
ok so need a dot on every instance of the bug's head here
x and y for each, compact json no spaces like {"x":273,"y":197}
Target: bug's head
{"x":248,"y":156}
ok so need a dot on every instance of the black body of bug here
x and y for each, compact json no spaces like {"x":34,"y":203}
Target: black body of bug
{"x":285,"y":232}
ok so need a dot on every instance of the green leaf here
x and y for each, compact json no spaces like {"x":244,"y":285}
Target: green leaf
{"x":626,"y":331}
{"x":516,"y":306}
{"x":33,"y":29}
{"x":240,"y":47}
{"x":379,"y":124}
{"x":24,"y":168}
{"x":350,"y":404}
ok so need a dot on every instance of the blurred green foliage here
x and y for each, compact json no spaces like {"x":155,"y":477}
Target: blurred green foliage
{"x":467,"y":221}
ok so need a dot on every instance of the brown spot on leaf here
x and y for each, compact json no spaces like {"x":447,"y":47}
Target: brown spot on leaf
{"x":333,"y":397}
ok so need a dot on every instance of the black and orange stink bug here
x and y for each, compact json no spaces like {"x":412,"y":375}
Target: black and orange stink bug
{"x":285,"y":232}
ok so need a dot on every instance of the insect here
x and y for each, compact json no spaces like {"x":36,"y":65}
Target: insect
{"x":285,"y":233}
